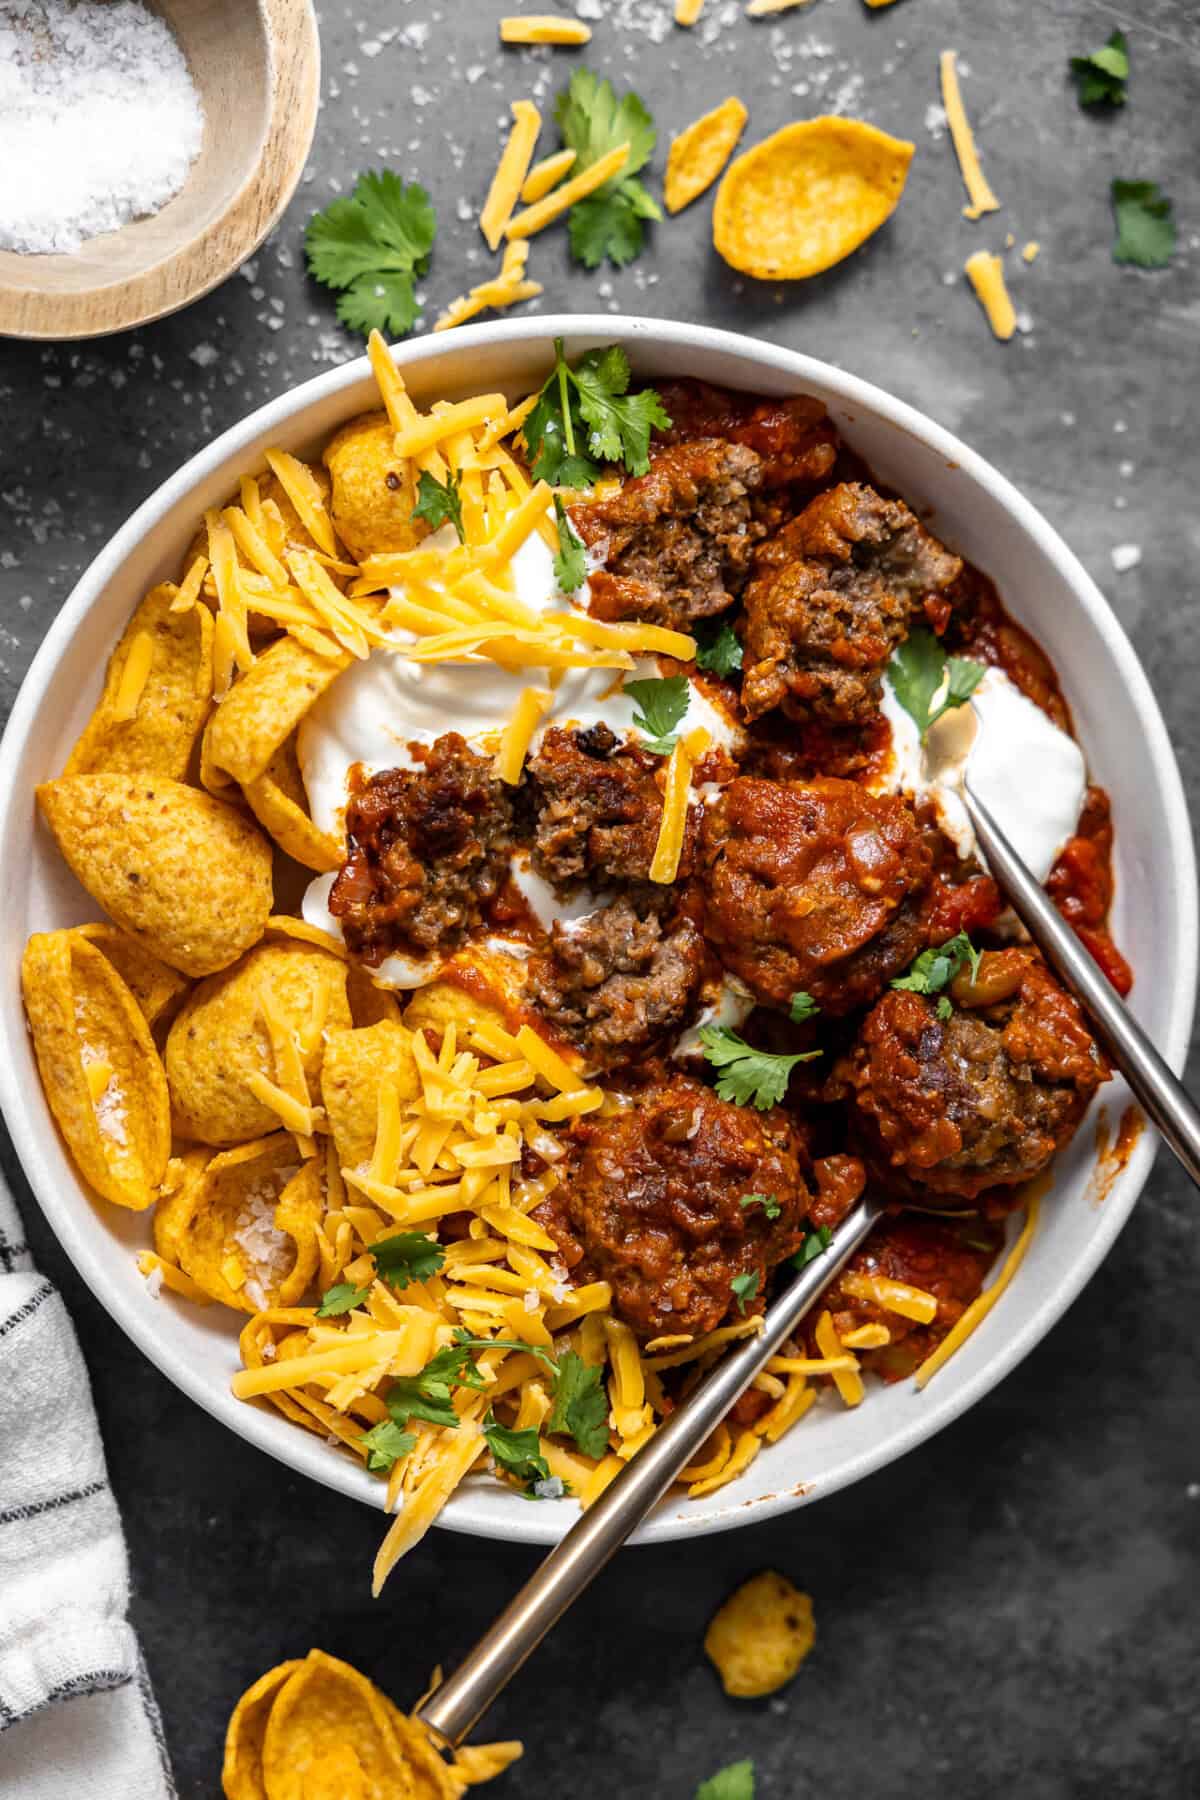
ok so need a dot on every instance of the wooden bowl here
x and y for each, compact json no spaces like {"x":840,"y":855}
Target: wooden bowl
{"x":257,"y":67}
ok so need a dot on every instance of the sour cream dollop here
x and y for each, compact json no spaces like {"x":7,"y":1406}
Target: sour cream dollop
{"x":1030,"y":774}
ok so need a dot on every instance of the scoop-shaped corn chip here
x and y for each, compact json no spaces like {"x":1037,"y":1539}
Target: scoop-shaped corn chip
{"x":157,"y":694}
{"x":373,"y":496}
{"x":176,"y":1204}
{"x":760,"y":1636}
{"x":488,"y":993}
{"x":326,"y":1705}
{"x":700,"y":152}
{"x":100,"y":1071}
{"x":263,"y":707}
{"x":157,"y":989}
{"x":241,"y":1771}
{"x":807,"y":196}
{"x":221,"y":1037}
{"x":183,"y":873}
{"x":283,"y":925}
{"x":245,"y":1228}
{"x":278,"y":801}
{"x":431,"y":1778}
{"x":356,"y":1064}
{"x":369,"y":1005}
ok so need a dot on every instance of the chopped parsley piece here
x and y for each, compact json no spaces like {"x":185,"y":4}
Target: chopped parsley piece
{"x":439,"y":502}
{"x":517,"y":1453}
{"x":580,"y":1404}
{"x":586,"y":417}
{"x":802,"y":1007}
{"x":1145,"y":228}
{"x":745,"y":1287}
{"x":408,"y":1256}
{"x":570,"y":564}
{"x":927,"y":682}
{"x":369,"y":245}
{"x":662,"y":701}
{"x":736,"y":1782}
{"x":386,"y":1444}
{"x":1100,"y":77}
{"x":768,"y":1202}
{"x":748,"y":1075}
{"x":341,"y":1299}
{"x":592,"y":122}
{"x":720,"y":651}
{"x":816,"y":1243}
{"x":936,"y":968}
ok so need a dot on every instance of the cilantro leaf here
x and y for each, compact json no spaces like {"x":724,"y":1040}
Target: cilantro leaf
{"x":745,"y":1287}
{"x":816,"y":1243}
{"x":518,"y":1453}
{"x":408,"y":1256}
{"x":1145,"y":228}
{"x":936,"y":968}
{"x":464,"y":1341}
{"x":768,"y":1202}
{"x":927,"y":682}
{"x":662,"y":701}
{"x":580,"y":1404}
{"x":748,"y":1075}
{"x":802,"y":1007}
{"x":370,"y":244}
{"x":386,"y":1444}
{"x":736,"y":1782}
{"x":428,"y":1395}
{"x":619,"y":422}
{"x":1101,"y":76}
{"x":592,"y":122}
{"x":570,"y":564}
{"x":719,"y":652}
{"x":341,"y":1299}
{"x":440,"y":501}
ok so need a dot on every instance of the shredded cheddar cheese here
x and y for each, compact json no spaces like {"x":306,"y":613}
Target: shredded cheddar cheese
{"x":528,"y":713}
{"x":134,"y":676}
{"x":980,"y":198}
{"x":300,"y":486}
{"x":543,"y":28}
{"x":983,"y":1303}
{"x":985,"y":272}
{"x":688,"y":11}
{"x":893,"y":1296}
{"x":847,"y":1381}
{"x":510,"y":172}
{"x":762,"y":9}
{"x":546,"y":174}
{"x":543,"y":212}
{"x":664,"y":865}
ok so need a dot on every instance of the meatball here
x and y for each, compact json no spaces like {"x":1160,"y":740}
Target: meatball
{"x":598,"y":809}
{"x":977,"y":1100}
{"x":676,"y":541}
{"x":656,"y":1205}
{"x":833,"y":594}
{"x":619,"y":980}
{"x":794,"y":438}
{"x":815,"y":887}
{"x":372,"y":498}
{"x":948,"y":1260}
{"x":428,"y":848}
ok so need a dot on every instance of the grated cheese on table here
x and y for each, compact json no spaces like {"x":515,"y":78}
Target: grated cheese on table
{"x":100,"y":120}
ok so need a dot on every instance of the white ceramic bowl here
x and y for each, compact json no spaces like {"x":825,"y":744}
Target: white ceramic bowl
{"x":981,"y":515}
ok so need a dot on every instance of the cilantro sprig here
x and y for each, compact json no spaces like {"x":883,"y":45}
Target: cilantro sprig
{"x":719,"y":651}
{"x":570,"y":563}
{"x":342,"y":1298}
{"x":585,"y":417}
{"x":369,"y":246}
{"x":748,"y":1076}
{"x":802,"y":1007}
{"x":768,"y":1202}
{"x":745,"y":1287}
{"x":815,"y":1243}
{"x":735,"y":1782}
{"x":1100,"y":76}
{"x":927,"y":682}
{"x":440,"y":502}
{"x":406,"y":1256}
{"x":386,"y":1444}
{"x":580,"y":1407}
{"x":661,"y":701}
{"x":516,"y":1453}
{"x":593,"y":121}
{"x":936,"y":968}
{"x":1145,"y":228}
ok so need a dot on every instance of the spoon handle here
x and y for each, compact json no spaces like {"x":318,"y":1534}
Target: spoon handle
{"x":455,"y":1707}
{"x":1160,"y":1092}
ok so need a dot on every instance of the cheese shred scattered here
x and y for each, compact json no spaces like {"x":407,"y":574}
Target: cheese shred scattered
{"x":511,"y":171}
{"x":543,"y":28}
{"x":544,"y":212}
{"x":528,"y":713}
{"x":980,"y":198}
{"x":664,"y":865}
{"x":983,"y":1303}
{"x":985,"y":272}
{"x":134,"y":676}
{"x":546,"y":174}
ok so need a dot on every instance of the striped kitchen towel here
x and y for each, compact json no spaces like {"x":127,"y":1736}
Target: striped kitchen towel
{"x":77,"y":1713}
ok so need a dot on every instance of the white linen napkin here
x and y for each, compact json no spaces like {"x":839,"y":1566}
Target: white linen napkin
{"x":77,"y":1712}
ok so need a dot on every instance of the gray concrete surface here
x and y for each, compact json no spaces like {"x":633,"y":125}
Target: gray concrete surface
{"x":1014,"y":1608}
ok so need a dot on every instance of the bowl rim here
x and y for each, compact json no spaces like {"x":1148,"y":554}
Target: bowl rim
{"x":293,"y":49}
{"x":475,"y":1512}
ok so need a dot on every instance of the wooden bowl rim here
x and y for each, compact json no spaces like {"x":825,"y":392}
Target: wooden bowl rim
{"x":294,"y":48}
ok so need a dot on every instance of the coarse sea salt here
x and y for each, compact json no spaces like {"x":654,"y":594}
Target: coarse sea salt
{"x":100,"y":120}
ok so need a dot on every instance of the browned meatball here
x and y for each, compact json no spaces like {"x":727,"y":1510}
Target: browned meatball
{"x":980,"y":1099}
{"x":676,"y":541}
{"x":619,"y":980}
{"x":428,"y":848}
{"x":834,"y":593}
{"x":656,"y":1205}
{"x":794,"y":438}
{"x":814,"y":887}
{"x":598,"y":808}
